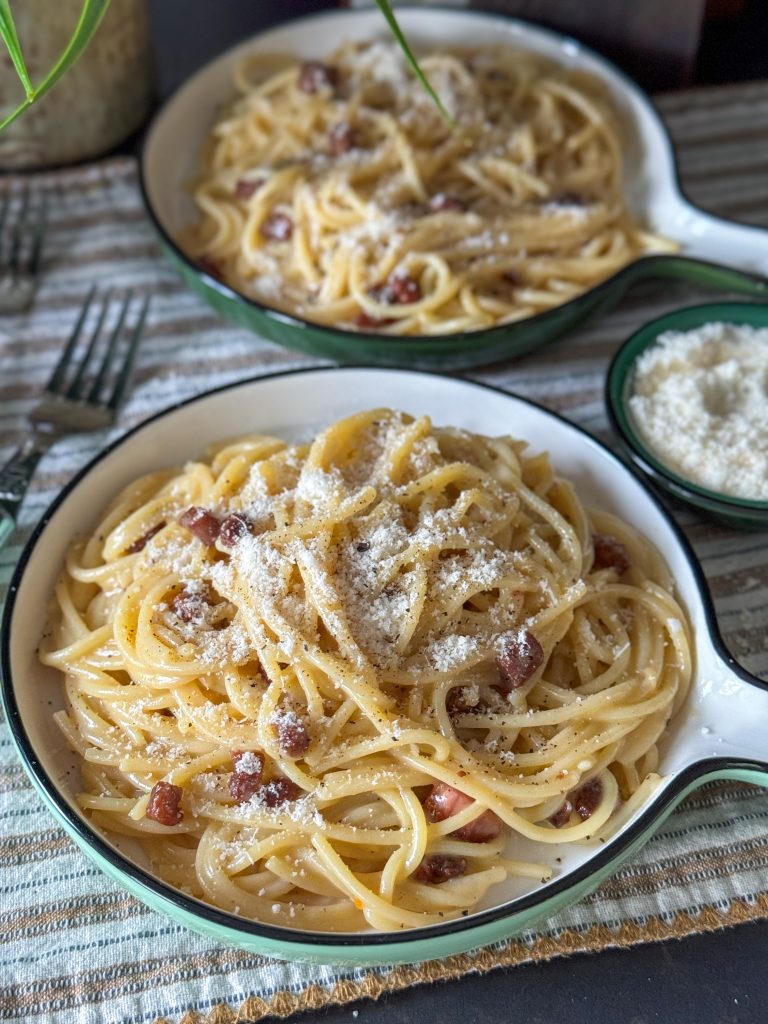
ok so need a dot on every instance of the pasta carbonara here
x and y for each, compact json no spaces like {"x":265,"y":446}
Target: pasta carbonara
{"x":337,"y":192}
{"x":325,"y":685}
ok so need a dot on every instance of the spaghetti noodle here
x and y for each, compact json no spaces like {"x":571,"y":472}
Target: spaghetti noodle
{"x":338,"y":193}
{"x":323,"y":685}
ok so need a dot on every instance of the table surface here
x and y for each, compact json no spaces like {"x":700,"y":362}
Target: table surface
{"x":716,"y":978}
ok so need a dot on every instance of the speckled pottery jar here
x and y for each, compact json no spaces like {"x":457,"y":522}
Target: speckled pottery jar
{"x":100,"y":101}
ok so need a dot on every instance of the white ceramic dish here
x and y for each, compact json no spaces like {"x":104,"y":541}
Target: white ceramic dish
{"x":170,"y":161}
{"x":721,"y":732}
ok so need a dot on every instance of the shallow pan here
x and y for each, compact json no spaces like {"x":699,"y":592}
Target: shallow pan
{"x":171,"y":154}
{"x":738,"y":513}
{"x":720,"y":732}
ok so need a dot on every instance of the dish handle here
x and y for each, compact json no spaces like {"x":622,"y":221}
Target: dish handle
{"x":715,"y":252}
{"x":725,"y":735}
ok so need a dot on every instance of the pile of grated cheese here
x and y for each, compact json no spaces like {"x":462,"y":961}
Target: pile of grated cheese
{"x":700,"y":403}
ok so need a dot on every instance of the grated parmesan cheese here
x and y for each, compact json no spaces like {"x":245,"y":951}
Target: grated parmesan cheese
{"x":700,"y":403}
{"x":249,"y":764}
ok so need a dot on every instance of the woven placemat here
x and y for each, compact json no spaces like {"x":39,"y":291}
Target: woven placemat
{"x":75,"y":947}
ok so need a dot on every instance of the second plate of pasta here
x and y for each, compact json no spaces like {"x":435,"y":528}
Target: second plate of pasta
{"x":307,"y":186}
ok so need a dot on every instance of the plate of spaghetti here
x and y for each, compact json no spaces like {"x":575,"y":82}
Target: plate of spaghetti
{"x":306,"y":184}
{"x":366,"y":678}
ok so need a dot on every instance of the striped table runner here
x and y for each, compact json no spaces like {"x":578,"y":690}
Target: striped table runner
{"x":73,"y":946}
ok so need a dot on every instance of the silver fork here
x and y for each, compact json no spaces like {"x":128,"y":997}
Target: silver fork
{"x":72,"y":402}
{"x":20,"y":259}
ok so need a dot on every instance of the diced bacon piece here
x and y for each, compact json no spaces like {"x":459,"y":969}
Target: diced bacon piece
{"x":517,"y":661}
{"x":445,"y":201}
{"x":165,"y":803}
{"x":210,"y":266}
{"x":280,"y":791}
{"x":460,"y":701}
{"x":190,"y":605}
{"x":587,"y":798}
{"x":292,"y":733}
{"x":242,"y":787}
{"x":202,"y":523}
{"x":341,"y":138}
{"x":234,"y":528}
{"x":404,"y":289}
{"x":482,"y":830}
{"x":512,"y":277}
{"x":584,"y":801}
{"x":246,"y":187}
{"x":141,"y":542}
{"x":445,"y":801}
{"x":278,"y":227}
{"x":456,"y":702}
{"x":245,"y":780}
{"x":315,"y":76}
{"x":562,"y":815}
{"x":400,"y":290}
{"x":610,"y":554}
{"x":365,"y":321}
{"x":440,"y":867}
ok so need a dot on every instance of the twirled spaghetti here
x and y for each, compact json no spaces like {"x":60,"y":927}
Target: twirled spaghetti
{"x":339,"y":193}
{"x":324,"y":684}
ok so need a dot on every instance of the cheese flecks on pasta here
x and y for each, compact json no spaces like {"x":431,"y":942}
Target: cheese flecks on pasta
{"x":338,"y":193}
{"x":324,"y":685}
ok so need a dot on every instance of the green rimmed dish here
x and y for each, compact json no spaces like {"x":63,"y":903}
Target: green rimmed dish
{"x":720,"y":733}
{"x":738,"y":513}
{"x":174,"y":141}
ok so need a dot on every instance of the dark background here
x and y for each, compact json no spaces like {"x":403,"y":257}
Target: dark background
{"x":720,"y":978}
{"x":731,"y":45}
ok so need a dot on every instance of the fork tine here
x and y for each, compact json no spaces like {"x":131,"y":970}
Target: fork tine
{"x":98,"y":384}
{"x":73,"y":391}
{"x":33,"y":264}
{"x":18,"y":228}
{"x":130,"y":357}
{"x":56,"y":382}
{"x":3,"y":217}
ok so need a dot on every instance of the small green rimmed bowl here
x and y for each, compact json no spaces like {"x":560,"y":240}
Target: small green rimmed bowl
{"x":739,"y":513}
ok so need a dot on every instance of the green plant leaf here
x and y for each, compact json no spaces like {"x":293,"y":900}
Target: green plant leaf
{"x":90,"y":17}
{"x":386,"y":9}
{"x":8,"y":32}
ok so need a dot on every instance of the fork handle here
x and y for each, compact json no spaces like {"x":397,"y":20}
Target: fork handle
{"x":14,"y":481}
